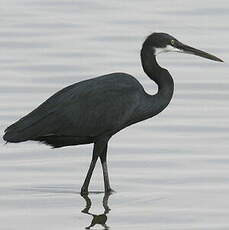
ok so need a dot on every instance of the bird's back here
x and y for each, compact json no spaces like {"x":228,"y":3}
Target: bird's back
{"x":81,"y":112}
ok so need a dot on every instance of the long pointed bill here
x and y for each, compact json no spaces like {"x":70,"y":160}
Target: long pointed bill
{"x":188,"y":49}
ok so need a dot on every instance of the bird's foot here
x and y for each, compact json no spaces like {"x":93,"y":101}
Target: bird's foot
{"x":109,"y":191}
{"x":84,"y":191}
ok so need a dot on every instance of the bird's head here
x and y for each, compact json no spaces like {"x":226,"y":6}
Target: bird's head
{"x":162,"y":42}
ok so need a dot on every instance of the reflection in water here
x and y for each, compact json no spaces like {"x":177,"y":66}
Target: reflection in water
{"x":97,"y":218}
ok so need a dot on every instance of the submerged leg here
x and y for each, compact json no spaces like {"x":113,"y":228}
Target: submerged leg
{"x":99,"y":147}
{"x":103,"y":159}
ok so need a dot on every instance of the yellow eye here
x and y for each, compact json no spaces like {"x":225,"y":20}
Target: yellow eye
{"x":172,"y":42}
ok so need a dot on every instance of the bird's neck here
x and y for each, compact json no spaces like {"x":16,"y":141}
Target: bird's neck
{"x":159,"y":101}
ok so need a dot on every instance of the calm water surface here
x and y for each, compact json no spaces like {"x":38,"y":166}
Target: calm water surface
{"x":170,"y":172}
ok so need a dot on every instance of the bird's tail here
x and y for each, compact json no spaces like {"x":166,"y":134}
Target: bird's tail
{"x":21,"y":130}
{"x":14,"y":136}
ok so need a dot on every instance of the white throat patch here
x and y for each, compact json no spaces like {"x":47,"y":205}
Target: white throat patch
{"x":166,"y":49}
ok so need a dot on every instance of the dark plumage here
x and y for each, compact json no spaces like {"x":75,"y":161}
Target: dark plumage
{"x":81,"y":113}
{"x":93,"y":110}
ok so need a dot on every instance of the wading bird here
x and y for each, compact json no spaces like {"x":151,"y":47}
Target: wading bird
{"x":92,"y":111}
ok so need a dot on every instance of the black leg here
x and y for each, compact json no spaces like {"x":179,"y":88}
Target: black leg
{"x":99,"y":147}
{"x":103,"y":159}
{"x":105,"y":203}
{"x":88,"y":204}
{"x":84,"y":189}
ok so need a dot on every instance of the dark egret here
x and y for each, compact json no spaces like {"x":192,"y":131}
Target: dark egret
{"x":92,"y":111}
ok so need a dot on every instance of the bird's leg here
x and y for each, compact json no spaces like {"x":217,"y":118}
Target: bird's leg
{"x":103,"y":159}
{"x":84,"y":189}
{"x":105,"y":203}
{"x":88,"y":205}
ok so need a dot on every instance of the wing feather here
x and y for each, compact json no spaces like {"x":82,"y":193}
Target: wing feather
{"x":87,"y":108}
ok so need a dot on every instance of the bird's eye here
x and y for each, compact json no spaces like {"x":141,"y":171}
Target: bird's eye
{"x":172,"y":42}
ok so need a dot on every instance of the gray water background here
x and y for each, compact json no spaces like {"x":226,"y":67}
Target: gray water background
{"x":170,"y":172}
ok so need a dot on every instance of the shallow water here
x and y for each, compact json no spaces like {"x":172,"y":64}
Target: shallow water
{"x":170,"y":172}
